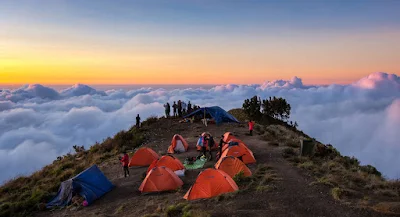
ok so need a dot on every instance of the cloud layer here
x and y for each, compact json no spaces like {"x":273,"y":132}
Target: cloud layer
{"x":37,"y":123}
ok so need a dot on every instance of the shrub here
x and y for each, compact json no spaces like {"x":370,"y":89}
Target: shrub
{"x":309,"y":165}
{"x":151,"y":120}
{"x":370,"y":170}
{"x":239,"y":178}
{"x":336,"y":193}
{"x":287,"y":152}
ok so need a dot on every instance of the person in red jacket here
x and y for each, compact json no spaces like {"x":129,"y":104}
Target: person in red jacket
{"x":251,"y":126}
{"x":125,"y":161}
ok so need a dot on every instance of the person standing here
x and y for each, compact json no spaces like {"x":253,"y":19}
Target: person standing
{"x":125,"y":161}
{"x":174,"y":107}
{"x":251,"y":126}
{"x":167,"y":110}
{"x":189,"y":107}
{"x":179,"y":108}
{"x":221,"y":145}
{"x":183,"y":108}
{"x":137,"y":121}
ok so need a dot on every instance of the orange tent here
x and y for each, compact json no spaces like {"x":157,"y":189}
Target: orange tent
{"x":178,"y":144}
{"x":143,"y":157}
{"x":167,"y":161}
{"x":240,"y":143}
{"x":232,"y":166}
{"x":160,"y":179}
{"x":228,"y":136}
{"x":211,"y":183}
{"x":240,"y":151}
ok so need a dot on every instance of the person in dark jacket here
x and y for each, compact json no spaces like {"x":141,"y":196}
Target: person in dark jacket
{"x":167,"y":110}
{"x":125,"y":162}
{"x":189,"y":107}
{"x":174,"y":107}
{"x":138,"y":121}
{"x":221,"y":144}
{"x":179,"y":108}
{"x":206,"y":144}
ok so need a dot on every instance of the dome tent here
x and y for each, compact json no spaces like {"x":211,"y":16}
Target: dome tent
{"x":143,"y":157}
{"x":160,"y":179}
{"x":91,"y":184}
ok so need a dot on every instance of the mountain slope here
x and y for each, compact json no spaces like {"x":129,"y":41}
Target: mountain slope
{"x":282,"y":185}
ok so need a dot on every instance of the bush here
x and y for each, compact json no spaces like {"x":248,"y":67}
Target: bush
{"x":336,"y":193}
{"x":150,"y":120}
{"x":370,"y":170}
{"x":239,"y":178}
{"x":288,"y":152}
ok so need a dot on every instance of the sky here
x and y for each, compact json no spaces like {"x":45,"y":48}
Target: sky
{"x":196,"y":42}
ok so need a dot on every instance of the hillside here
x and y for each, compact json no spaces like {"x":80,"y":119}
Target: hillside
{"x":283,"y":184}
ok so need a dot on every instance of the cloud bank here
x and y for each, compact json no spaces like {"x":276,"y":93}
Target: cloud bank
{"x":38,"y":123}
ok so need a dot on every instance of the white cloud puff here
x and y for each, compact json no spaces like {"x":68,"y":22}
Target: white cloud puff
{"x":37,"y":123}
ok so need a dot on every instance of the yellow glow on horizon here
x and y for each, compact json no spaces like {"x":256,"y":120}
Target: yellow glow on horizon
{"x":23,"y":61}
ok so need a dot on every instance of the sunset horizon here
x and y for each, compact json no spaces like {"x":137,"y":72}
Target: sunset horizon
{"x":196,"y":43}
{"x":256,"y":107}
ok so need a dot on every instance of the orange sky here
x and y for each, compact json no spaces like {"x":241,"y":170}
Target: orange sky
{"x":63,"y":56}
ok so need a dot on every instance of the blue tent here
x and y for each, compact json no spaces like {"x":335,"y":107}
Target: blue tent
{"x":216,"y":112}
{"x":90,"y":184}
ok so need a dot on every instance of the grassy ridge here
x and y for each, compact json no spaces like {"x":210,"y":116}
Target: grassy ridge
{"x":24,"y":195}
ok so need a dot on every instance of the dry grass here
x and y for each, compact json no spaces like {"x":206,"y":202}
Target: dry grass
{"x":387,"y":207}
{"x":350,"y":182}
{"x":182,"y":209}
{"x":239,"y":114}
{"x":23,"y":195}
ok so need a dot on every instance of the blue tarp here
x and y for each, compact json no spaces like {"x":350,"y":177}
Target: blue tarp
{"x":216,"y":112}
{"x":90,"y":184}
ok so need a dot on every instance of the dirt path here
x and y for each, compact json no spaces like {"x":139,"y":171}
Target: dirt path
{"x":293,"y":196}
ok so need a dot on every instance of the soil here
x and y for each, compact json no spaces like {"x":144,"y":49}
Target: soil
{"x":292,"y":196}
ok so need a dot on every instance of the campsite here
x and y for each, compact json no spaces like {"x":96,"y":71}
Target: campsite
{"x":269,"y":185}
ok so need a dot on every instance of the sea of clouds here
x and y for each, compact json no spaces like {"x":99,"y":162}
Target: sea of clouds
{"x":38,"y":123}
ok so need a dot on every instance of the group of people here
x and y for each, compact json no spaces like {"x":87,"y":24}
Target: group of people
{"x":179,"y":108}
{"x":207,"y":143}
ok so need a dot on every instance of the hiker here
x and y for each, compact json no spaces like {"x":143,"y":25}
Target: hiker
{"x":211,"y":141}
{"x":183,"y":107}
{"x":137,"y":121}
{"x":179,"y":108}
{"x":125,"y":161}
{"x":206,"y":142}
{"x":189,"y":107}
{"x":167,"y":110}
{"x":174,"y":107}
{"x":251,"y":126}
{"x":221,"y":144}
